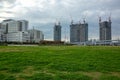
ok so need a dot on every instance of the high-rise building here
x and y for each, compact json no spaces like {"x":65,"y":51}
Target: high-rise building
{"x":79,"y":32}
{"x":23,"y":25}
{"x":105,"y":29}
{"x":11,"y":25}
{"x":4,"y":25}
{"x":15,"y":30}
{"x":36,"y":35}
{"x":2,"y":35}
{"x":57,"y":32}
{"x":0,"y":25}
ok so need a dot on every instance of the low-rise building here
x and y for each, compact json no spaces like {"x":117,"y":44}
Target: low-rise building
{"x":36,"y":35}
{"x":18,"y":37}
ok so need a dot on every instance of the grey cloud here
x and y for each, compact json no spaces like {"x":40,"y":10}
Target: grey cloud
{"x":10,"y":3}
{"x":78,"y":9}
{"x":5,"y":17}
{"x":10,"y":12}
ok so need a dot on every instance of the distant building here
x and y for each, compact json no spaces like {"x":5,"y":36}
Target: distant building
{"x":15,"y":26}
{"x":36,"y":35}
{"x":78,"y":32}
{"x":12,"y":28}
{"x":11,"y":25}
{"x":4,"y":25}
{"x":0,"y":25}
{"x":18,"y":37}
{"x":23,"y":25}
{"x":57,"y":32}
{"x":2,"y":36}
{"x":105,"y":29}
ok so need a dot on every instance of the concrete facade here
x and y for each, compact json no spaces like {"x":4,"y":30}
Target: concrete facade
{"x":23,"y":25}
{"x":57,"y":32}
{"x":18,"y":37}
{"x":105,"y":30}
{"x":78,"y":32}
{"x":2,"y":35}
{"x":36,"y":35}
{"x":4,"y":25}
{"x":14,"y":30}
{"x":14,"y":26}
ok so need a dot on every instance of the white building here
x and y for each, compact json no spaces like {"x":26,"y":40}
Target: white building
{"x":23,"y":25}
{"x":18,"y":37}
{"x":4,"y":25}
{"x":15,"y":30}
{"x":2,"y":35}
{"x":14,"y":26}
{"x":36,"y":35}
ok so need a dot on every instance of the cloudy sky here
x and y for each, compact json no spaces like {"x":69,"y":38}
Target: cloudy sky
{"x":42,"y":14}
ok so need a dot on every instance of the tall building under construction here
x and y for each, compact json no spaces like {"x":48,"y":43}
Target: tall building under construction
{"x":79,"y":32}
{"x":105,"y":29}
{"x":57,"y":32}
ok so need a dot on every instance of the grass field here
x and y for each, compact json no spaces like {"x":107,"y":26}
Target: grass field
{"x":59,"y":63}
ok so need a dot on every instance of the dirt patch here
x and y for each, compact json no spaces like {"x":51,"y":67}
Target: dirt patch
{"x":29,"y":71}
{"x":94,"y":75}
{"x":20,"y":79}
{"x":97,"y":75}
{"x":116,"y":74}
{"x":11,"y":50}
{"x":46,"y":71}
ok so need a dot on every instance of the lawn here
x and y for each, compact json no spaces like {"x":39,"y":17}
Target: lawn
{"x":59,"y":63}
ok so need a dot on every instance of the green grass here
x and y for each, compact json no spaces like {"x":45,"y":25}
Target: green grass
{"x":59,"y":63}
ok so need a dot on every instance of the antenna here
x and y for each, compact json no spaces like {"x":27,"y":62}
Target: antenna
{"x":69,"y":14}
{"x":110,"y":18}
{"x":83,"y":20}
{"x":71,"y":19}
{"x":99,"y":19}
{"x":85,"y":15}
{"x":57,"y":22}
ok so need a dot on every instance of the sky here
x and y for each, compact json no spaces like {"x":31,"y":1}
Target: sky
{"x":43,"y":14}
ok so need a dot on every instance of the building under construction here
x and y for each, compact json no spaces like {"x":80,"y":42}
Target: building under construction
{"x":35,"y":35}
{"x":105,"y":29}
{"x":78,"y":32}
{"x":57,"y":32}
